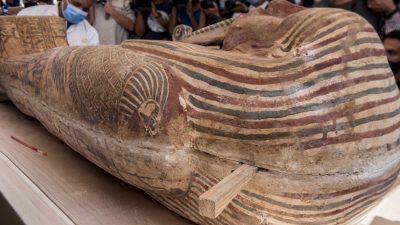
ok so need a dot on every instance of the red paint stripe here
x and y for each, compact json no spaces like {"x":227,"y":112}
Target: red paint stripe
{"x":319,"y":196}
{"x":375,"y":182}
{"x":345,"y":138}
{"x":193,"y":113}
{"x":326,"y":214}
{"x":267,"y":80}
{"x":278,"y":102}
{"x":258,"y":208}
{"x":333,"y":39}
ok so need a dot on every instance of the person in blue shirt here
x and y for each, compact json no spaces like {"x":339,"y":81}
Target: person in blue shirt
{"x":12,"y":3}
{"x":185,"y":12}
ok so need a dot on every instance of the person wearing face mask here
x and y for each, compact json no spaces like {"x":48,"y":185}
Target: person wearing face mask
{"x":79,"y":30}
{"x":391,"y":43}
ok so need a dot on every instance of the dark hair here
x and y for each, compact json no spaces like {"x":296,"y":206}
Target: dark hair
{"x":231,"y":4}
{"x":393,"y":34}
{"x":30,"y":3}
{"x":179,"y":2}
{"x":141,"y":5}
{"x":183,"y":2}
{"x":308,"y":3}
{"x":206,"y":4}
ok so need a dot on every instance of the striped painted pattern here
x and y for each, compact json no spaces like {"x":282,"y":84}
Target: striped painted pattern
{"x":147,"y":82}
{"x":251,"y":207}
{"x":275,"y":100}
{"x":329,"y":90}
{"x":182,"y":32}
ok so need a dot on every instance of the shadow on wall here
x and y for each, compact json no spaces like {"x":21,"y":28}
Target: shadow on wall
{"x":382,"y":221}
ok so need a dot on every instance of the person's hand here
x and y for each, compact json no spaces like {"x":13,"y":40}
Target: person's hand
{"x":212,"y":10}
{"x":241,"y":7}
{"x":108,"y":8}
{"x":154,"y":10}
{"x":386,"y":6}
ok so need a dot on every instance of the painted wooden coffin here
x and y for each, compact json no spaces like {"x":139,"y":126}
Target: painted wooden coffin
{"x":309,"y":100}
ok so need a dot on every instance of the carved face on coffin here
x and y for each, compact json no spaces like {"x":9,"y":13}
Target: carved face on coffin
{"x":150,"y":115}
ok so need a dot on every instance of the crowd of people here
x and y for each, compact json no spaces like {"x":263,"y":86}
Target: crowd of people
{"x":117,"y":20}
{"x":92,"y":22}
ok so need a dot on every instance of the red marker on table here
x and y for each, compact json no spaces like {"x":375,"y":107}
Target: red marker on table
{"x":28,"y":146}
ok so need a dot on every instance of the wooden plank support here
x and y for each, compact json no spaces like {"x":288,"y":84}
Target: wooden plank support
{"x":214,"y":201}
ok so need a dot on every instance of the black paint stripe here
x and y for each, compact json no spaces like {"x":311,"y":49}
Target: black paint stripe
{"x":185,"y":207}
{"x":178,"y":208}
{"x":142,"y":82}
{"x":304,"y":31}
{"x":259,"y":115}
{"x":310,"y":17}
{"x":144,"y":74}
{"x":331,"y":221}
{"x":124,"y":110}
{"x":306,"y":28}
{"x":129,"y":97}
{"x":139,"y":88}
{"x":275,"y":93}
{"x":157,"y":82}
{"x":332,"y":29}
{"x":322,"y":207}
{"x":299,"y":134}
{"x":165,"y":86}
{"x":153,"y":77}
{"x":291,"y":65}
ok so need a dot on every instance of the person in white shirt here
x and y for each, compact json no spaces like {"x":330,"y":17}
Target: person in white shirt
{"x":113,"y":20}
{"x":79,"y":30}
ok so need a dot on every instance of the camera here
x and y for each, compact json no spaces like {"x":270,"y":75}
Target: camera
{"x":141,"y":5}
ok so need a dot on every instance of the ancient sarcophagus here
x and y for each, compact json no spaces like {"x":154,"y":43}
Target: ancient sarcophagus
{"x":307,"y":101}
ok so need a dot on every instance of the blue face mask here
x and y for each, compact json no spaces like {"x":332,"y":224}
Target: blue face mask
{"x":74,"y":14}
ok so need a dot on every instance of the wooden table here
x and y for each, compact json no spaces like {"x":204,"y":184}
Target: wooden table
{"x":65,"y":188}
